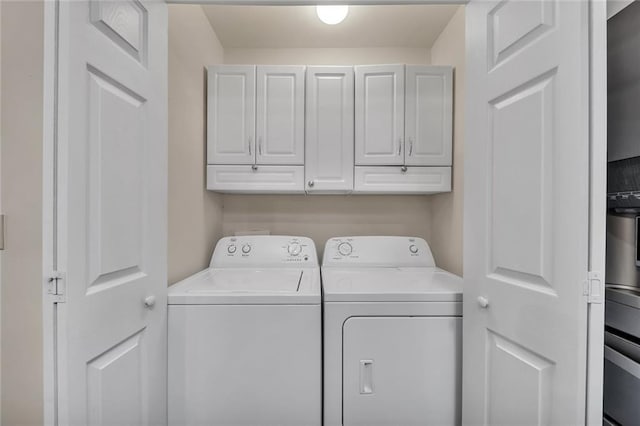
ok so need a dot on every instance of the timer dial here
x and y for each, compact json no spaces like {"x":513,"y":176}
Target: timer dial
{"x":294,"y":249}
{"x":345,"y":249}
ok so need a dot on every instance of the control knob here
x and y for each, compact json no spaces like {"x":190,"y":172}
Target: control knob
{"x":413,"y":248}
{"x":246,"y":248}
{"x":294,"y":249}
{"x":345,"y":249}
{"x":231,"y":248}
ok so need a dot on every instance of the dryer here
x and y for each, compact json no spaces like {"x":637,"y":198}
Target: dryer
{"x":245,"y":336}
{"x":392,"y":334}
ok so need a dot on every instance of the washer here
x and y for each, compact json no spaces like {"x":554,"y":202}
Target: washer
{"x":392,"y":334}
{"x":245,"y":336}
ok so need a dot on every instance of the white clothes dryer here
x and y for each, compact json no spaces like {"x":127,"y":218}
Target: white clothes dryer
{"x":245,"y":336}
{"x":392,"y":334}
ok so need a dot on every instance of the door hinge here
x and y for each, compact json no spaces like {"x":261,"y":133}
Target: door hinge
{"x":56,"y":287}
{"x":594,"y":288}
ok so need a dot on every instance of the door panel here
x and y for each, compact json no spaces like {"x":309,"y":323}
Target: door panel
{"x":329,"y":129}
{"x":231,"y":116}
{"x":401,"y":371}
{"x":429,"y":114}
{"x":280,"y":115}
{"x":526,"y":239}
{"x":111,"y":165}
{"x":379,"y":114}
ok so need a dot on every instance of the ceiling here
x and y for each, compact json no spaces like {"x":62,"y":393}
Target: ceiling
{"x":298,"y":26}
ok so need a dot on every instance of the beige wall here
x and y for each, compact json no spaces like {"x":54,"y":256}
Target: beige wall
{"x":323,"y":216}
{"x":195,"y":214}
{"x":446,"y":209}
{"x":328,"y":56}
{"x":21,"y":126}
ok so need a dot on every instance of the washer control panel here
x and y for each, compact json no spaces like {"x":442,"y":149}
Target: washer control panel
{"x":265,"y":250}
{"x":378,"y":251}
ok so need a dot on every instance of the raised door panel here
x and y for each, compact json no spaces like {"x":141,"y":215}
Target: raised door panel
{"x":429,"y":115}
{"x":256,"y":179}
{"x":280,"y":114}
{"x":401,"y":371}
{"x":231,"y":101}
{"x":329,"y":130}
{"x":379,"y":115}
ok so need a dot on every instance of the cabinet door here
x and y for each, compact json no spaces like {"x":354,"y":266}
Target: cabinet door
{"x":231,"y":95}
{"x":379,"y":114}
{"x":402,"y":371}
{"x":428,"y":125}
{"x":280,"y":115}
{"x":329,"y":129}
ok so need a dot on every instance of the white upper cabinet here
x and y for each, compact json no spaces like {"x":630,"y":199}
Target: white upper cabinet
{"x":231,"y":114}
{"x":280,"y":115}
{"x":329,"y":129}
{"x":379,"y":115}
{"x":428,"y":115}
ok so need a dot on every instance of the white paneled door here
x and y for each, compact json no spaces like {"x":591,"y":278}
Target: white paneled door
{"x":379,"y":115}
{"x":231,"y":114}
{"x":526,"y":213}
{"x":280,"y":114}
{"x":329,"y":129}
{"x":111,"y":222}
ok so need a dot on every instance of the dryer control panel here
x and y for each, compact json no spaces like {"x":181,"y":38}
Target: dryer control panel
{"x":265,"y":251}
{"x":378,"y":252}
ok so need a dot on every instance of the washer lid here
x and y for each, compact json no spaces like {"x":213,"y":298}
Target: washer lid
{"x":247,"y":286}
{"x":390,"y":285}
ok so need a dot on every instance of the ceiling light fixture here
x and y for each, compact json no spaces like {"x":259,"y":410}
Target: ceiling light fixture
{"x":332,"y":15}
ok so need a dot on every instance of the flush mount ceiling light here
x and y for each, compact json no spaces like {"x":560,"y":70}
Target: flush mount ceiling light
{"x":332,"y":15}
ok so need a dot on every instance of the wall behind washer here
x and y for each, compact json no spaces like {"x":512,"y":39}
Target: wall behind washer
{"x":323,"y":216}
{"x":195,"y":214}
{"x":446,"y":209}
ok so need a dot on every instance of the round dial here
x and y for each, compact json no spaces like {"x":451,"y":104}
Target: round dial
{"x":246,"y":248}
{"x":231,"y":248}
{"x":294,"y":249}
{"x":345,"y":249}
{"x":413,"y":248}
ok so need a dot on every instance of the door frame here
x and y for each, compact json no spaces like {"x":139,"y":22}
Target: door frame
{"x":597,"y":194}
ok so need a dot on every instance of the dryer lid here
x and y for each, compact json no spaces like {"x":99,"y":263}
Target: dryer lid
{"x":390,"y":285}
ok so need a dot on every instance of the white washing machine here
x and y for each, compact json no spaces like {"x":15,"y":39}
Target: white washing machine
{"x":392,"y":334}
{"x":245,"y":336}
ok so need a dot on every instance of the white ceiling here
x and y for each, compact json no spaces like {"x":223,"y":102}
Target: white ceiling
{"x":298,"y":26}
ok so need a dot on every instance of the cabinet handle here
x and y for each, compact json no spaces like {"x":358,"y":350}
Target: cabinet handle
{"x":249,"y":141}
{"x":399,"y":146}
{"x":310,"y":183}
{"x":259,"y":146}
{"x":410,"y":147}
{"x":366,"y":376}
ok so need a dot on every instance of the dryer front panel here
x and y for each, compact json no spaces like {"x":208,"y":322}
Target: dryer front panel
{"x":402,"y":371}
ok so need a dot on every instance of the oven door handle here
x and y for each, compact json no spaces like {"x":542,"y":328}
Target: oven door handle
{"x":626,"y":363}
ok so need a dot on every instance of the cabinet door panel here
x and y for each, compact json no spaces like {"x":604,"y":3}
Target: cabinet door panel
{"x":231,"y":114}
{"x":329,"y":129}
{"x":428,"y":111}
{"x":379,"y":114}
{"x":280,"y":115}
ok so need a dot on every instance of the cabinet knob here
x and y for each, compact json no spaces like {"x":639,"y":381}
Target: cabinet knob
{"x":254,"y":167}
{"x":310,"y":183}
{"x":403,"y":168}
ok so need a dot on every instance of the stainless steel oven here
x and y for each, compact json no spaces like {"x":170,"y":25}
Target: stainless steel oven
{"x":622,"y":302}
